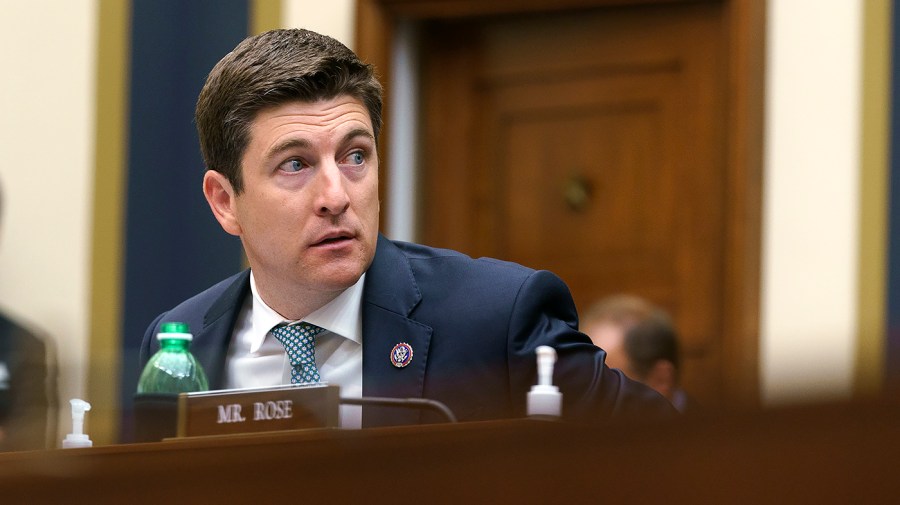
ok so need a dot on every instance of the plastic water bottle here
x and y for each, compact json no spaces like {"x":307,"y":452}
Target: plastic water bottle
{"x":173,"y":369}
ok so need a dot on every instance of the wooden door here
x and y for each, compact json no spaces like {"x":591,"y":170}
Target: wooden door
{"x":617,"y":143}
{"x":590,"y":144}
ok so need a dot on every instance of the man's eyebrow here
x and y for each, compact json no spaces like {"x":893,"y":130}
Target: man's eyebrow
{"x":287,"y":145}
{"x":359,"y":132}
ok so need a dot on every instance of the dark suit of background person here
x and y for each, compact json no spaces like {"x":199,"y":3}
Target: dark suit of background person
{"x":24,"y":399}
{"x":288,"y":126}
{"x":27,"y":387}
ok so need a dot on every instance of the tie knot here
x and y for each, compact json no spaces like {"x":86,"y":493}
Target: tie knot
{"x":299,"y":341}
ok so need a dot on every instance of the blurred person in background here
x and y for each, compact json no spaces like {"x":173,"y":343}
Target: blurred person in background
{"x":641,"y":341}
{"x":25,"y":398}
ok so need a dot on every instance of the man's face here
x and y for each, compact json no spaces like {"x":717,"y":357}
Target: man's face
{"x":610,"y":337}
{"x":308,"y":215}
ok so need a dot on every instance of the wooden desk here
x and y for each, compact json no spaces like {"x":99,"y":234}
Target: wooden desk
{"x":821,"y":455}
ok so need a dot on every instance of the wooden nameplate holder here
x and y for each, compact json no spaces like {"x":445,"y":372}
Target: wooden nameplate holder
{"x":232,"y":411}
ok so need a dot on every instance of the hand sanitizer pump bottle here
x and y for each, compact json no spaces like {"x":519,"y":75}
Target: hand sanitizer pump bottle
{"x":544,"y":399}
{"x":77,"y":438}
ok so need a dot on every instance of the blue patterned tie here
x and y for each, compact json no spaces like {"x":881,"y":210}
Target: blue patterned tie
{"x":299,"y":341}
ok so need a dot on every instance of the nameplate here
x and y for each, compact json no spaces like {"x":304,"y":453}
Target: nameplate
{"x":251,"y":410}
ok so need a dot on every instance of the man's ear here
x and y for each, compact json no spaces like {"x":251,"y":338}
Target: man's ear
{"x":220,"y":196}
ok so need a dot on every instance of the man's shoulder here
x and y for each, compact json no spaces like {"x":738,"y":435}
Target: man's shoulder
{"x":14,"y":333}
{"x":206,"y":300}
{"x":423,"y":256}
{"x":418,"y":272}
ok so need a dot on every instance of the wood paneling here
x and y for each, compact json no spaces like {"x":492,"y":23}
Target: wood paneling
{"x":653,"y":111}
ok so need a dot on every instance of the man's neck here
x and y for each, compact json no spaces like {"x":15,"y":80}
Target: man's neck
{"x":293,"y":303}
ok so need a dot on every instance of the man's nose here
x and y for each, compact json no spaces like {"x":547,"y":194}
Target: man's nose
{"x":331,"y":193}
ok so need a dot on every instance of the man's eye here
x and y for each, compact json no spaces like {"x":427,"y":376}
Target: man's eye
{"x":355,"y":158}
{"x":292,"y":165}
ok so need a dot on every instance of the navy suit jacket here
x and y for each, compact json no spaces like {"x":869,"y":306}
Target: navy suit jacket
{"x":473,"y":325}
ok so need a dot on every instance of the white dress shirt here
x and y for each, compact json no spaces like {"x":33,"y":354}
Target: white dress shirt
{"x":257,"y":359}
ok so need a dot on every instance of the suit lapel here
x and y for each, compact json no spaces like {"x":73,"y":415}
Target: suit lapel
{"x":390,"y":295}
{"x":210,"y":346}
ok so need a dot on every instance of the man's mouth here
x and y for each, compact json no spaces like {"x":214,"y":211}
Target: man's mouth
{"x":332,"y":239}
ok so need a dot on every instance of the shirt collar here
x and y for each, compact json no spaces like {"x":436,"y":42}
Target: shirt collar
{"x":342,"y":316}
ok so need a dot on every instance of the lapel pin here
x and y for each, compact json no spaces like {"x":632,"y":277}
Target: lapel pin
{"x":401,"y":355}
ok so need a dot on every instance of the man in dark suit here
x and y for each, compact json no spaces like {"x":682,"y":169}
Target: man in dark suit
{"x":25,"y":401}
{"x":27,"y":388}
{"x":641,"y":340}
{"x":288,"y":126}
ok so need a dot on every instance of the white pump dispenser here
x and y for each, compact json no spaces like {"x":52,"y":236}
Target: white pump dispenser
{"x":77,"y":438}
{"x":544,"y":399}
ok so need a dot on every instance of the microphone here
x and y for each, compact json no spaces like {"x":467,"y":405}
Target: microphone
{"x":408,"y":403}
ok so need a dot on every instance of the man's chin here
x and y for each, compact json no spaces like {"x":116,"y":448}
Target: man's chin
{"x":336,"y":274}
{"x":339,"y":281}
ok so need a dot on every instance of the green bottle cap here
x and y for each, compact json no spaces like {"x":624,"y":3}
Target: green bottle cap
{"x":173,"y":329}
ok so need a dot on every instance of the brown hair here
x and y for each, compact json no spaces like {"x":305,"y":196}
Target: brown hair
{"x":267,"y":70}
{"x":649,"y":331}
{"x":622,"y":309}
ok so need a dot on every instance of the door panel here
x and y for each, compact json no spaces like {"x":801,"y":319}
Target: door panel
{"x":590,"y":144}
